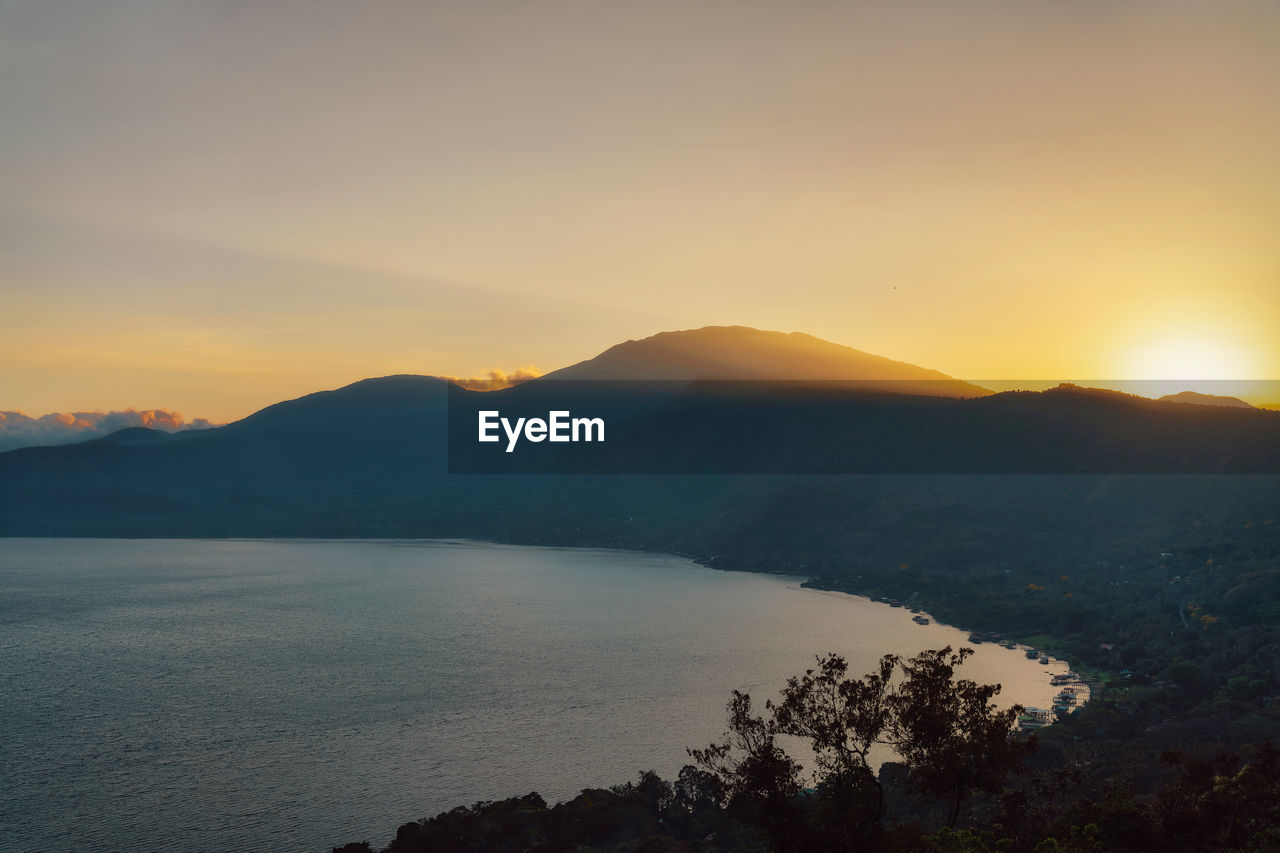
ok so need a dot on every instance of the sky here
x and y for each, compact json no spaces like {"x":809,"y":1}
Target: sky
{"x":206,"y":207}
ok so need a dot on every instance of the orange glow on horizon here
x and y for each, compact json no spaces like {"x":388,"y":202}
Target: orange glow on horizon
{"x":1019,"y":189}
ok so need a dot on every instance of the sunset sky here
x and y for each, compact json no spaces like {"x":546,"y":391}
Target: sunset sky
{"x":211,"y":206}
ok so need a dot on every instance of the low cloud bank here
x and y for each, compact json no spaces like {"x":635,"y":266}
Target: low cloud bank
{"x":496,"y":379}
{"x":19,"y":430}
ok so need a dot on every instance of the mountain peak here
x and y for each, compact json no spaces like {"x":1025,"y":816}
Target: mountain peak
{"x":135,"y":435}
{"x":742,"y":352}
{"x":1195,"y":398}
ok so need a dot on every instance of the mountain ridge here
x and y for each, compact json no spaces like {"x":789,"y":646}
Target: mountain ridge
{"x":747,"y":353}
{"x":880,"y":415}
{"x":1195,"y":398}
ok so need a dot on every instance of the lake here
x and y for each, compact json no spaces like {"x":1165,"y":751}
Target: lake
{"x":225,"y":695}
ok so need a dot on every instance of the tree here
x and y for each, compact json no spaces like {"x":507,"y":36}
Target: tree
{"x":954,"y":738}
{"x":842,"y":718}
{"x":760,"y":779}
{"x":696,"y":790}
{"x":655,"y":791}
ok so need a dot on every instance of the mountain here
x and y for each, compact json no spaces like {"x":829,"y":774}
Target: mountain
{"x":1193,"y":398}
{"x":370,"y":406}
{"x":743,"y":353}
{"x":776,"y":428}
{"x":135,"y":435}
{"x":394,"y":456}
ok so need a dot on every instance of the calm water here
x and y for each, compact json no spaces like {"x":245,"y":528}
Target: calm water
{"x":286,"y":695}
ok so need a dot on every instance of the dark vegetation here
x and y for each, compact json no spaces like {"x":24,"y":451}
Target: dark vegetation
{"x":962,"y":764}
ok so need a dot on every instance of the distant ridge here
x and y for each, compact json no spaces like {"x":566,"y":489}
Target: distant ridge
{"x":135,"y":435}
{"x":741,"y":352}
{"x":391,"y":456}
{"x":360,"y":403}
{"x":1194,"y":398}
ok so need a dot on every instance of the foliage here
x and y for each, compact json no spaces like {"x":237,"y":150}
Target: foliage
{"x":842,"y":719}
{"x":955,"y":741}
{"x":1226,"y":802}
{"x":760,"y":780}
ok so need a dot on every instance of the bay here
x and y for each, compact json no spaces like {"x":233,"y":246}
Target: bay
{"x":225,"y":695}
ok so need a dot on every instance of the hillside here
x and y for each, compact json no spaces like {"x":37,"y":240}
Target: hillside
{"x":1194,"y":398}
{"x":375,"y":457}
{"x":740,"y":352}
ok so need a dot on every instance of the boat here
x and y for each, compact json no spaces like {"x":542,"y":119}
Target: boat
{"x":1044,"y":658}
{"x":915,"y":610}
{"x":920,"y":620}
{"x":1008,"y":644}
{"x":1034,"y":718}
{"x":975,"y":639}
{"x":1032,"y":654}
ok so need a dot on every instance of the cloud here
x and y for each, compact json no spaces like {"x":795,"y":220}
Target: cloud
{"x":496,"y":380}
{"x":19,"y":430}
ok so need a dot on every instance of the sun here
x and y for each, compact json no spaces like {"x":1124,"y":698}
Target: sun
{"x":1191,"y":357}
{"x":1191,"y":361}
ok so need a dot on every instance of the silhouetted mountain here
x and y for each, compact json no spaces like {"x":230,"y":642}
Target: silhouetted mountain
{"x":755,"y":427}
{"x":740,"y":352}
{"x":1195,"y":398}
{"x":136,"y":435}
{"x":307,"y":458}
{"x":370,"y":404}
{"x":391,"y":456}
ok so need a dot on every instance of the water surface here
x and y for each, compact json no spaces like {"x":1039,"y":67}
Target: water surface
{"x":216,"y":695}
